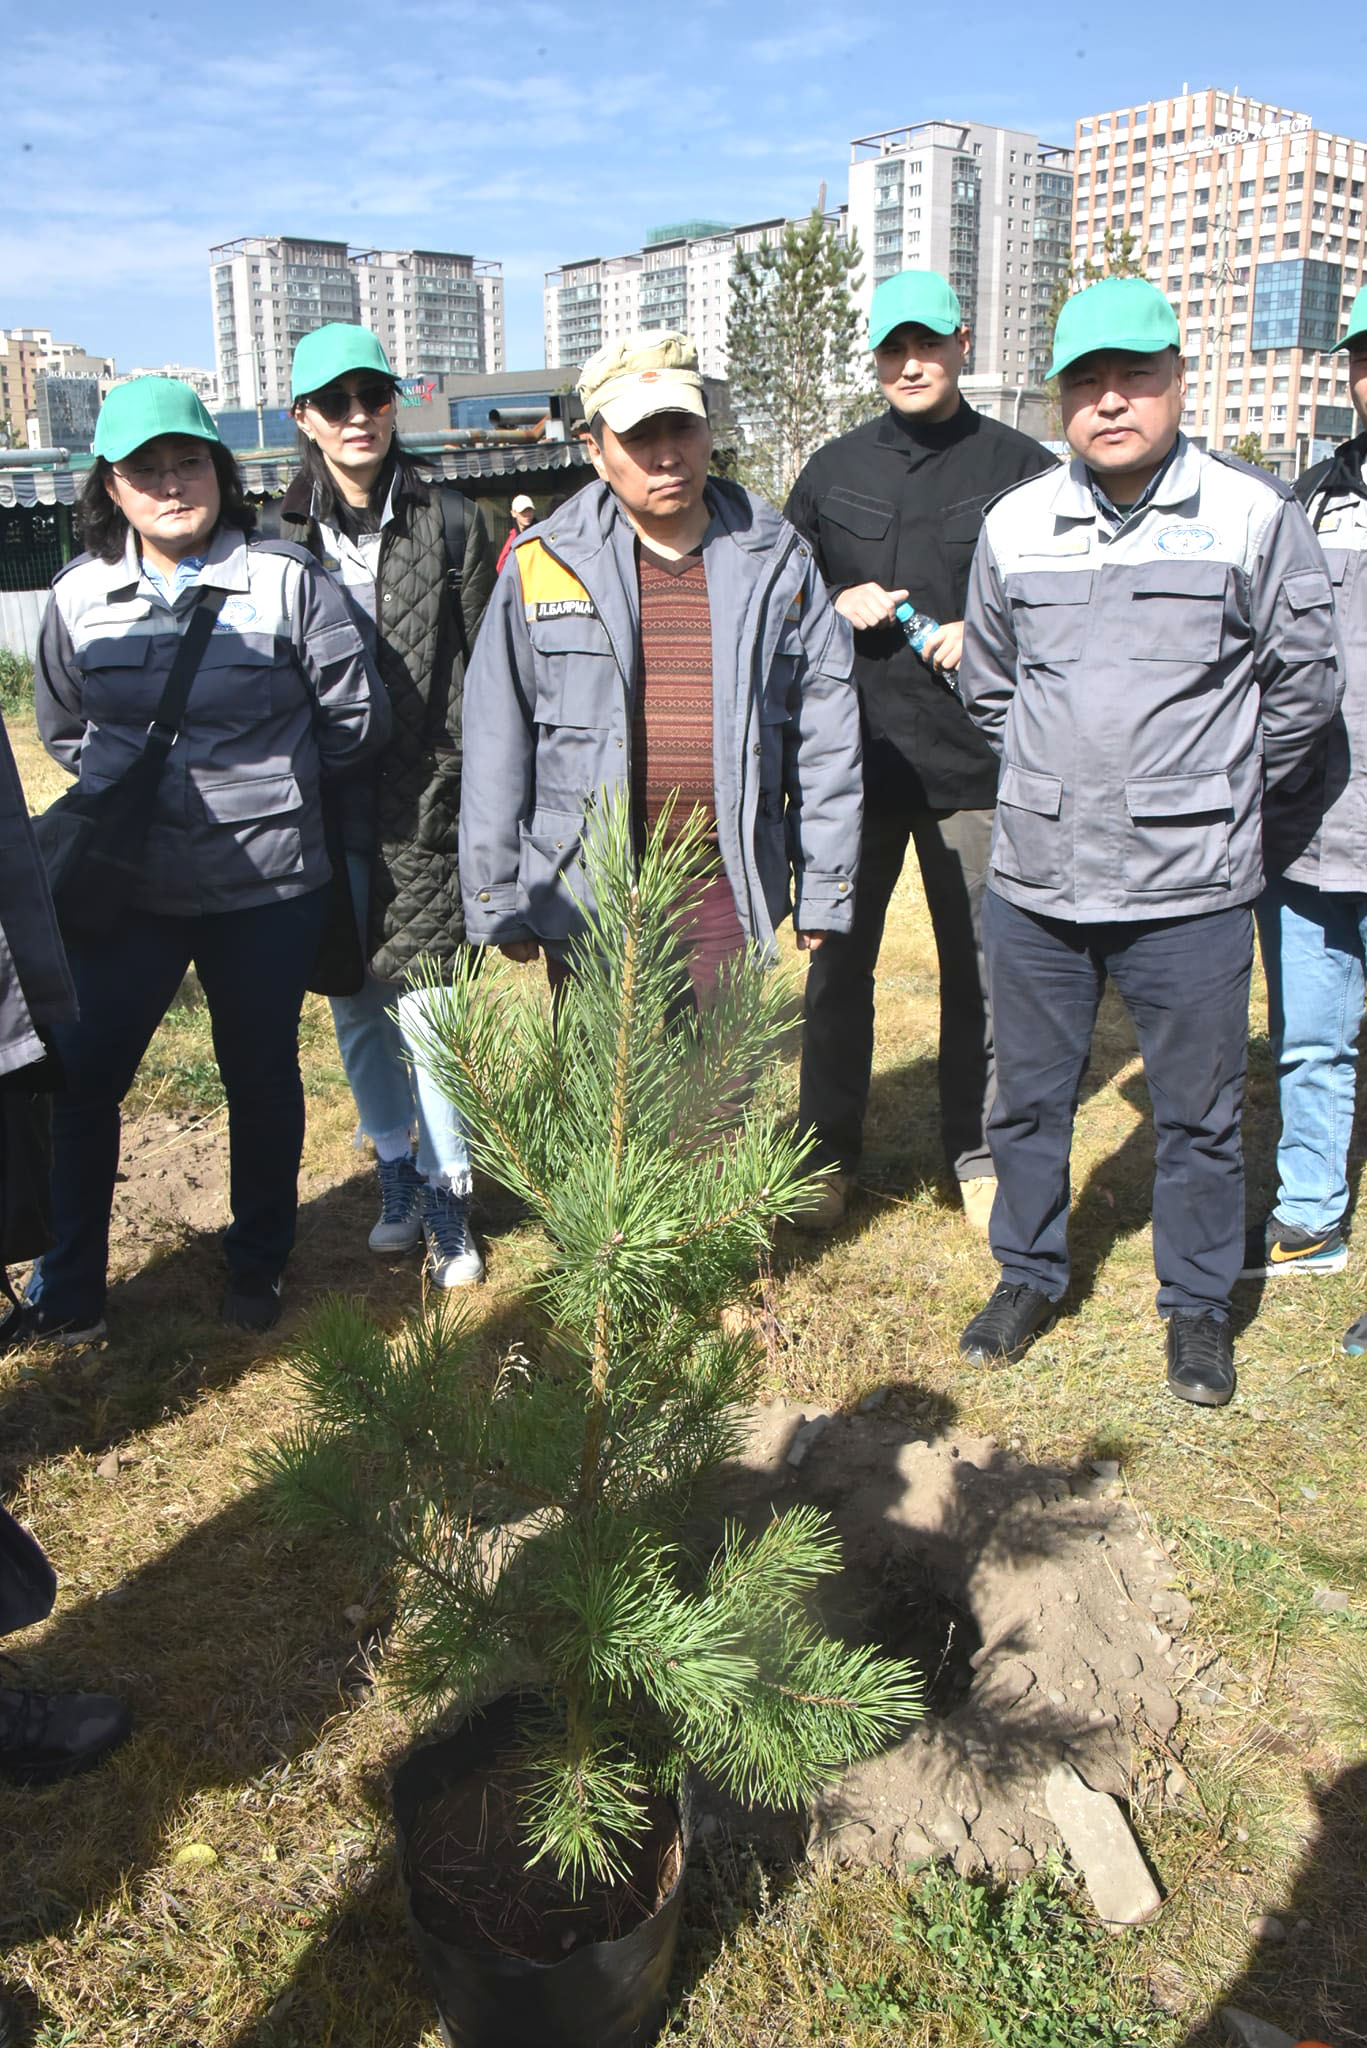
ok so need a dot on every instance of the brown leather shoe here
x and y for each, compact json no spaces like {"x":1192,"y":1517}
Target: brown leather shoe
{"x":829,"y":1212}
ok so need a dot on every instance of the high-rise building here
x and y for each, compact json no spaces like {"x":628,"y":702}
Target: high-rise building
{"x":432,"y":310}
{"x":989,"y":209}
{"x":204,"y":383}
{"x":68,"y":407}
{"x":28,"y":354}
{"x":1250,"y":219}
{"x":680,"y":278}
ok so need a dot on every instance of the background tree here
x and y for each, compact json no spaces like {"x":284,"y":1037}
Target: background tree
{"x":1249,"y":448}
{"x":794,"y":339}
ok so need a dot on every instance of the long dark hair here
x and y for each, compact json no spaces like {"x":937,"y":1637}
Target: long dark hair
{"x":104,"y":528}
{"x":328,"y":504}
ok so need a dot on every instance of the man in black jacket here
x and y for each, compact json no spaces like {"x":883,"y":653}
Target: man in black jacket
{"x":892,"y":511}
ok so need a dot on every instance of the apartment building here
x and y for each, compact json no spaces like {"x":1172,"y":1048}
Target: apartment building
{"x":433,"y":310}
{"x":28,"y":354}
{"x":680,"y":278}
{"x":204,"y":383}
{"x":990,"y":208}
{"x":1250,"y":219}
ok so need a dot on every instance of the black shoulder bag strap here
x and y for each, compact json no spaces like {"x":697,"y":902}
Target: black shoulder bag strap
{"x":166,"y":719}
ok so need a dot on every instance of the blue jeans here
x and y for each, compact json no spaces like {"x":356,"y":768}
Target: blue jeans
{"x":1184,"y":981}
{"x":252,"y":965}
{"x":392,"y":1092}
{"x":1313,"y":950}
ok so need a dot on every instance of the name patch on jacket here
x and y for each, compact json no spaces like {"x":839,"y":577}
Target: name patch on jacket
{"x":549,"y":590}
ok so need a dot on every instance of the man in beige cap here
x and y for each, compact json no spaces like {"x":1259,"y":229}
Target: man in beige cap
{"x":665,"y":632}
{"x":523,"y":512}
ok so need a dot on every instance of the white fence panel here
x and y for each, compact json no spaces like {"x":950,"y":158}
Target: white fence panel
{"x":20,"y":614}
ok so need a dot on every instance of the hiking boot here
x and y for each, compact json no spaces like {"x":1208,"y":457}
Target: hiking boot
{"x":1200,"y":1359}
{"x":51,"y":1735}
{"x":28,"y":1324}
{"x":1005,"y":1328}
{"x":400,"y":1225}
{"x":251,"y":1301}
{"x":453,"y":1257}
{"x":1275,"y":1248}
{"x":977,"y":1196}
{"x":829,"y":1210}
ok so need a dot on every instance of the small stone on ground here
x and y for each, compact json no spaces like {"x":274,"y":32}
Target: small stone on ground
{"x":1097,"y":1837}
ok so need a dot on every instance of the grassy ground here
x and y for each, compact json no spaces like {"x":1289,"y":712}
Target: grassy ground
{"x":226,"y":1881}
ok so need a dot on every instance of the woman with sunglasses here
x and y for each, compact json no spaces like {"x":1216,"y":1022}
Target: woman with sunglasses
{"x":382,"y":531}
{"x":233,"y":873}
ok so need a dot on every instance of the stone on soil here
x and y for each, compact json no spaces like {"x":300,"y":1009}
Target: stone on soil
{"x":1242,"y":2030}
{"x":1097,"y":1837}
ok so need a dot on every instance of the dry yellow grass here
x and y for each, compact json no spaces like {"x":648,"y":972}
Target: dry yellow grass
{"x":260,"y":1736}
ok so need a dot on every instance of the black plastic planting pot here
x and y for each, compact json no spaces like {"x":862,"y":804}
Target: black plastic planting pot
{"x":607,"y":1994}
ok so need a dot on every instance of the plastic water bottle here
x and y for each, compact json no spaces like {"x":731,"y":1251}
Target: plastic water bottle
{"x":918,"y":627}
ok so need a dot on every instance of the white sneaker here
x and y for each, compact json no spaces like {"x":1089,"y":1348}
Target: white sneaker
{"x":453,"y":1257}
{"x":400,"y":1224}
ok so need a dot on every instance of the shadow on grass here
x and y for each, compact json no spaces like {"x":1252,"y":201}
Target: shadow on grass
{"x":1313,"y":1981}
{"x":166,"y":1346}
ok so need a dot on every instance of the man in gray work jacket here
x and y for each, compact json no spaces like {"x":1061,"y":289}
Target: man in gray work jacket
{"x":1312,"y":919}
{"x":579,"y":683}
{"x":1149,"y":643}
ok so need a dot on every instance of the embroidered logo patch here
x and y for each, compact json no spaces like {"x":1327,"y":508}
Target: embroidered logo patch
{"x":234,"y":613}
{"x":1186,"y":540}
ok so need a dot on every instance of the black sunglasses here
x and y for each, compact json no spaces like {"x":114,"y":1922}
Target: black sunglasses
{"x":337,"y":405}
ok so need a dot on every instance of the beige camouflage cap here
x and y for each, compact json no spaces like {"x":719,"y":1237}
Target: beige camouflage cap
{"x":641,"y":374}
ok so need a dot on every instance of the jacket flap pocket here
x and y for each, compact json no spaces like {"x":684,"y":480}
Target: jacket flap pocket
{"x":228,"y":648}
{"x":866,"y":518}
{"x":1178,"y":796}
{"x":123,"y":650}
{"x":245,"y":798}
{"x":1028,"y":790}
{"x":1185,"y":578}
{"x":1050,"y":586}
{"x":962,"y":523}
{"x":1307,"y":590}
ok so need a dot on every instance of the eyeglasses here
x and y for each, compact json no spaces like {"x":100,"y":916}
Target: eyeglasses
{"x":337,"y":405}
{"x":146,"y":476}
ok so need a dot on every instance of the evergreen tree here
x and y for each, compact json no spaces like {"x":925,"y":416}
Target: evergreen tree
{"x":536,"y":1528}
{"x":793,"y":344}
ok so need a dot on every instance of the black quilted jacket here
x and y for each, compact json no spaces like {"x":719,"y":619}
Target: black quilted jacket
{"x":424,"y":642}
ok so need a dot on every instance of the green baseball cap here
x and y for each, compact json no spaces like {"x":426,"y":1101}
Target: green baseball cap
{"x":1118,"y":313}
{"x":145,"y":407}
{"x":1357,"y":322}
{"x":914,"y":298}
{"x":330,"y":352}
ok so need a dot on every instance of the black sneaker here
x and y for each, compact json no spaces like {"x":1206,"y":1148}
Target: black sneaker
{"x":1200,"y":1359}
{"x":1275,"y":1248}
{"x":251,"y":1301}
{"x":27,"y":1325}
{"x":51,"y":1735}
{"x":1008,"y":1325}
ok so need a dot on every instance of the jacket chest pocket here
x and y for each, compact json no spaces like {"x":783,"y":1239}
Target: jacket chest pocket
{"x":1049,"y":613}
{"x":1179,"y":832}
{"x":119,"y":684}
{"x":234,"y":683}
{"x":858,"y":537}
{"x":1178,"y":612}
{"x":575,"y":671}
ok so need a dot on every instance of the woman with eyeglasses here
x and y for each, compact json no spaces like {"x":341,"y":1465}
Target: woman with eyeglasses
{"x":233,"y":873}
{"x":415,"y":561}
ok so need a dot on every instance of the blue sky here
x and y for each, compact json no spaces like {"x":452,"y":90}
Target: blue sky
{"x":531,"y":131}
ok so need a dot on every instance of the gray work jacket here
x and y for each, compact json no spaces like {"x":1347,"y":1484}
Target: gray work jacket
{"x":35,"y":985}
{"x":548,"y":711}
{"x":1315,"y":822}
{"x":1142,"y":683}
{"x":284,"y":694}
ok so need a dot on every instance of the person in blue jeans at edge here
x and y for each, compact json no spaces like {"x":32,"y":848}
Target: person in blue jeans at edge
{"x":1312,"y":919}
{"x":380,"y":529}
{"x":233,"y":874}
